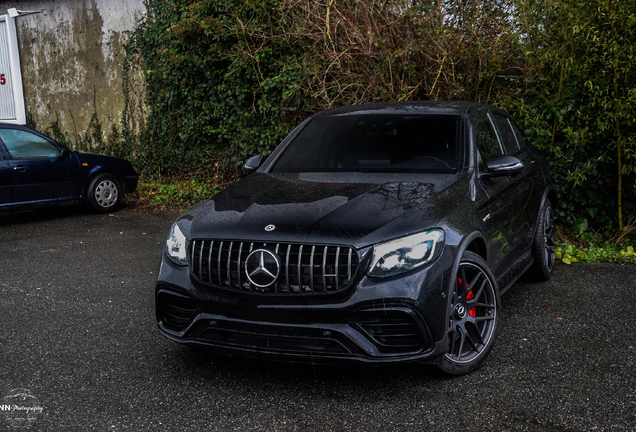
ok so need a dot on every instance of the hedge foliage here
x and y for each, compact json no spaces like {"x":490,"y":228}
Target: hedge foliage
{"x":580,"y":105}
{"x":229,"y":79}
{"x":225,"y":80}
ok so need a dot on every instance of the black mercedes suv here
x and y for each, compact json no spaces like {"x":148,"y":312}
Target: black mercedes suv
{"x":374,"y":233}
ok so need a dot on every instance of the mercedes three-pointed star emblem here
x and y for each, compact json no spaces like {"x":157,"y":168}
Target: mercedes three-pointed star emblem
{"x":262,"y":267}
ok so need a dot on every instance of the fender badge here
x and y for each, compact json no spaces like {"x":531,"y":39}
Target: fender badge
{"x":270,"y":227}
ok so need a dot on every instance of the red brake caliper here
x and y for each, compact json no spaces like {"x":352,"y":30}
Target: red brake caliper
{"x":472,"y":312}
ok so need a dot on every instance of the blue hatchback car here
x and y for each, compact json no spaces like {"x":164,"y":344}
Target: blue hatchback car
{"x":37,"y":171}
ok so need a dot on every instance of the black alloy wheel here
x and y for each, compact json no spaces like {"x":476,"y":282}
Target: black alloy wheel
{"x":544,"y":247}
{"x":474,"y":316}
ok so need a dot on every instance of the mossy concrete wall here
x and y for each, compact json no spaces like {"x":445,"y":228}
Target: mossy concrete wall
{"x":72,"y":59}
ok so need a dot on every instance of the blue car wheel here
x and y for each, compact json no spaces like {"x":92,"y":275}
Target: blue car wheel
{"x":104,"y":193}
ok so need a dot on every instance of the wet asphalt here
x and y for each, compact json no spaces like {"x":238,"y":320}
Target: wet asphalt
{"x":77,"y":333}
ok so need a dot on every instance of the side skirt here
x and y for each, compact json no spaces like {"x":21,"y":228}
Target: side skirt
{"x":514,"y":272}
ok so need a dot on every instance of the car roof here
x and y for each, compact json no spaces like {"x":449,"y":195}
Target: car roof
{"x":13,"y":126}
{"x":422,"y":107}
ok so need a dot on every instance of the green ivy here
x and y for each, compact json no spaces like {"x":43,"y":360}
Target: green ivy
{"x":579,"y":107}
{"x":224,"y":80}
{"x":212,"y":98}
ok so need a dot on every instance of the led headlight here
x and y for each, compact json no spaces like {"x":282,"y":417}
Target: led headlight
{"x":406,"y":253}
{"x":176,"y":245}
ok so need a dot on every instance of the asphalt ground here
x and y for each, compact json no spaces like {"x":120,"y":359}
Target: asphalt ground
{"x":77,"y":334}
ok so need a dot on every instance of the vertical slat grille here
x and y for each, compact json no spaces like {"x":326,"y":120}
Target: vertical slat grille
{"x":305,"y":269}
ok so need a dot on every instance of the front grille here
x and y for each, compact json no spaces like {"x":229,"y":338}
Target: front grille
{"x":305,"y":269}
{"x":273,"y":338}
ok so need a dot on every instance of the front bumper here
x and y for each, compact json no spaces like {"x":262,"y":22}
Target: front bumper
{"x":395,"y":320}
{"x":130,"y":183}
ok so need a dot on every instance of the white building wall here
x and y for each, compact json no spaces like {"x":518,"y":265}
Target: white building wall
{"x":72,"y":55}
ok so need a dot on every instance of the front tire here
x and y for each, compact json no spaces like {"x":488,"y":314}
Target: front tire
{"x":474,"y":316}
{"x":104,"y":193}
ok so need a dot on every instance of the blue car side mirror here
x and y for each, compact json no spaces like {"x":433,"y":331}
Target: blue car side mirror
{"x":64,"y":154}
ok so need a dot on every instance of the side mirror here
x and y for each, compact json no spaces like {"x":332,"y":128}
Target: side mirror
{"x":64,"y":154}
{"x":503,"y":165}
{"x":253,"y":164}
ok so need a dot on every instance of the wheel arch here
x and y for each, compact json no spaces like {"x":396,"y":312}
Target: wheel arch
{"x":552,"y":196}
{"x":548,"y":194}
{"x":473,"y":242}
{"x":95,"y":173}
{"x":477,"y":246}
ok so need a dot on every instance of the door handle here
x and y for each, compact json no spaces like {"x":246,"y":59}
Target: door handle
{"x":20,"y":168}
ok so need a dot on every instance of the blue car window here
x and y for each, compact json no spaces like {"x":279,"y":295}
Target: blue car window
{"x":25,"y":145}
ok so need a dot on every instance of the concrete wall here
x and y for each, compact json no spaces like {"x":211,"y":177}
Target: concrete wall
{"x":71,"y":57}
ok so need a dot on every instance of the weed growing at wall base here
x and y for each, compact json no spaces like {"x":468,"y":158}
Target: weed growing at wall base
{"x":173,"y":197}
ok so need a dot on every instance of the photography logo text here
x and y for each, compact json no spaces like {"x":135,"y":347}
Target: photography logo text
{"x":20,"y":409}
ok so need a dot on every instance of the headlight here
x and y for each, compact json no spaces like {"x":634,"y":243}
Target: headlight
{"x":407,"y":253}
{"x":176,"y":245}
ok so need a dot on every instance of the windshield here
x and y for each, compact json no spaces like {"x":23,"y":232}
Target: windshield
{"x":374,"y":143}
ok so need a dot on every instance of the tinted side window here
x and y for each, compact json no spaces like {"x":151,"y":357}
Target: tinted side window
{"x":511,"y":146}
{"x":521,"y":139}
{"x":25,"y":145}
{"x":486,"y":138}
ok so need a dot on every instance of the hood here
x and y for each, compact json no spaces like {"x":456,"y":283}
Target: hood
{"x":90,"y":156}
{"x":356,"y":210}
{"x":95,"y":158}
{"x":98,"y":161}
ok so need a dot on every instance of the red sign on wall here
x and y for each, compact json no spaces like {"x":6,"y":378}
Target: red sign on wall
{"x":11,"y":96}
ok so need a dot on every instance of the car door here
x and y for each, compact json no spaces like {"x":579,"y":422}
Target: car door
{"x":41,"y":170}
{"x":6,"y":183}
{"x":527,"y":183}
{"x":506,"y":223}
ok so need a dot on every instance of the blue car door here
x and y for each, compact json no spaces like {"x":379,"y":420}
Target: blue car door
{"x":41,"y":170}
{"x":6,"y":184}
